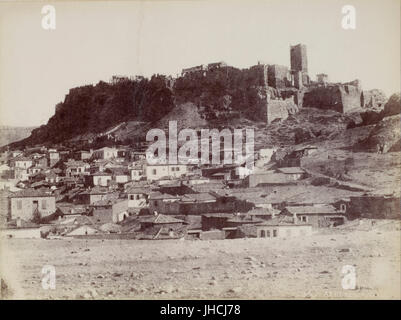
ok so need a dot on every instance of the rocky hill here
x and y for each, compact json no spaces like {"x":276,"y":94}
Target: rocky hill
{"x":221,"y":95}
{"x":126,"y":108}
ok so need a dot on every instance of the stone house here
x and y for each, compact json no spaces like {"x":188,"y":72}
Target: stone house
{"x":160,"y":221}
{"x":105,"y":153}
{"x":120,"y":210}
{"x":34,"y":170}
{"x":138,"y":197}
{"x":26,"y":202}
{"x":212,"y":221}
{"x":82,"y":155}
{"x":91,"y":196}
{"x":101,"y":179}
{"x":21,"y":174}
{"x":162,"y":203}
{"x":281,"y":229}
{"x":41,"y":162}
{"x":83,"y":231}
{"x":137,"y":173}
{"x":159,"y":171}
{"x":317,"y":215}
{"x":54,"y":158}
{"x":76,"y":168}
{"x":120,"y":175}
{"x":23,"y":163}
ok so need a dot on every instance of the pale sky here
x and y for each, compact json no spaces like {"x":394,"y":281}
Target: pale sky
{"x":95,"y":40}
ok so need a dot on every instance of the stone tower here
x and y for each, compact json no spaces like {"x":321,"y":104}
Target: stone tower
{"x":299,"y":60}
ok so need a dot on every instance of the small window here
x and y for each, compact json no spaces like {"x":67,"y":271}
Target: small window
{"x":44,"y":204}
{"x":137,"y":197}
{"x":343,"y":207}
{"x":262,"y":234}
{"x":268,"y":233}
{"x":274,"y":233}
{"x":177,"y":169}
{"x":131,"y":197}
{"x":154,"y":171}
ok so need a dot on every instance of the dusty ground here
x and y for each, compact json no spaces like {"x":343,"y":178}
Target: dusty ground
{"x":218,"y":269}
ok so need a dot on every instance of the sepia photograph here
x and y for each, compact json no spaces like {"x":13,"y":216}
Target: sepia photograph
{"x":200,"y":150}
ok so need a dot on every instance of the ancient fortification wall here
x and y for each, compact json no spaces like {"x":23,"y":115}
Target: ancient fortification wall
{"x":340,"y":98}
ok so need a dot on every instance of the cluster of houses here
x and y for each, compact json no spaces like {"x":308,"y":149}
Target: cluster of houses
{"x":113,"y":192}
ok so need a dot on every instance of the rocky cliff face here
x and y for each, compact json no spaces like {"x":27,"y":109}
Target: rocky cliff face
{"x":96,"y":108}
{"x":220,"y":94}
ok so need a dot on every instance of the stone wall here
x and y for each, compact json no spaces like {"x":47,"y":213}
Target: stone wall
{"x":280,"y":109}
{"x":340,"y":98}
{"x":373,"y":99}
{"x":24,"y":207}
{"x":277,"y":76}
{"x":351,"y":97}
{"x":377,"y":207}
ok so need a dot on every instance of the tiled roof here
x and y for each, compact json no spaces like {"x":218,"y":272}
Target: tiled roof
{"x":162,"y":196}
{"x":244,"y":220}
{"x":74,"y":163}
{"x":138,"y":190}
{"x":23,"y":159}
{"x":262,"y":211}
{"x":161,"y":219}
{"x":198,"y":197}
{"x":219,"y":215}
{"x":96,"y":190}
{"x":325,"y":209}
{"x":108,"y":199}
{"x":101,"y":174}
{"x":281,"y":220}
{"x":25,"y":193}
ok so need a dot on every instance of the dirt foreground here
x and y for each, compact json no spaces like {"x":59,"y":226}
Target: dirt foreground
{"x":306,"y":268}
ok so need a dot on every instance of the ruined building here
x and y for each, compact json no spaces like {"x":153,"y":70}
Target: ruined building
{"x":283,"y":90}
{"x":296,"y":90}
{"x":299,"y":65}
